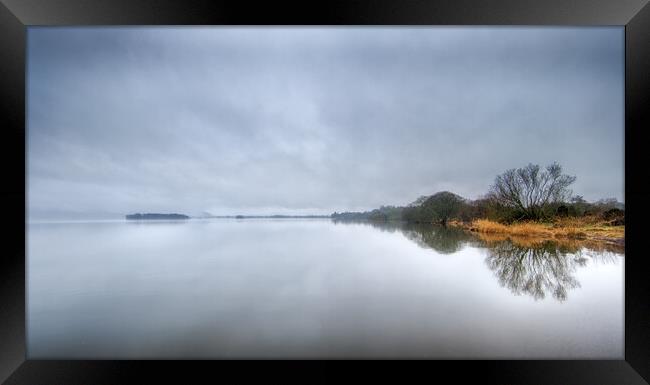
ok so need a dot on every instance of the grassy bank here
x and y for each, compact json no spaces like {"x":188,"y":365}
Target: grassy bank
{"x":592,"y":229}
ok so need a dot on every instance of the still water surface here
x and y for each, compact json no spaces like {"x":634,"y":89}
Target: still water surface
{"x":261,"y":288}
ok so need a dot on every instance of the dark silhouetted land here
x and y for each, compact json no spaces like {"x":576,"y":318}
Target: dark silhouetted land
{"x":147,"y":216}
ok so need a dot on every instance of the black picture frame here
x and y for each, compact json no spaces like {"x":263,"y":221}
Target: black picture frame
{"x":17,"y":15}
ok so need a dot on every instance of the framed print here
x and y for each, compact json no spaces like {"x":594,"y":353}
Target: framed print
{"x":459,"y":188}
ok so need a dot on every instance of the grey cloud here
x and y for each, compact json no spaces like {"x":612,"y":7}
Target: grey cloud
{"x":232,"y":120}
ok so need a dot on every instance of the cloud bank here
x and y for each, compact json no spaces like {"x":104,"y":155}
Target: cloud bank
{"x":313,"y":120}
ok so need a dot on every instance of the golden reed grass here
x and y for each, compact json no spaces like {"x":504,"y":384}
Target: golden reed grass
{"x":587,"y":228}
{"x":569,"y":244}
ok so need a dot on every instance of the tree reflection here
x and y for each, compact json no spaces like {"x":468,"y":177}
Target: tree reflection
{"x":445,"y":240}
{"x":535,"y":271}
{"x":388,"y":226}
{"x":525,"y":265}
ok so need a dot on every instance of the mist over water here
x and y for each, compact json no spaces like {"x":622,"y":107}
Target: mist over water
{"x":261,"y":288}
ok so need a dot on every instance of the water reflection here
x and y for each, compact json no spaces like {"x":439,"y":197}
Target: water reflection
{"x":389,"y":227}
{"x":295,"y":288}
{"x":444,"y":240}
{"x":537,"y":268}
{"x":538,"y":271}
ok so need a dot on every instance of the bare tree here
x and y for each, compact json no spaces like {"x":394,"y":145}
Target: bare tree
{"x":530,"y":190}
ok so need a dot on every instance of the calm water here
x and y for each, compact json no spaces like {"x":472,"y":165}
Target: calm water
{"x":314,"y":288}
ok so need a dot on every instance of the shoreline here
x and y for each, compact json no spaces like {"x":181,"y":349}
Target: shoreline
{"x":577,"y":230}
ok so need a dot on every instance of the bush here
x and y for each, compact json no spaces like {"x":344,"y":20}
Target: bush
{"x":439,"y":207}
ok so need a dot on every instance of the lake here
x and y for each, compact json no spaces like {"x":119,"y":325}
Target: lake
{"x":310,"y":288}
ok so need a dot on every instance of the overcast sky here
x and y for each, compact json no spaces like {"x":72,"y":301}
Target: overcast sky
{"x":313,"y":120}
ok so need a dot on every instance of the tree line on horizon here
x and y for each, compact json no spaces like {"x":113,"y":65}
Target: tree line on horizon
{"x":528,"y":193}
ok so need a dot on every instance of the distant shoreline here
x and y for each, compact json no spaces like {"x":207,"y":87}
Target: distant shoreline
{"x":175,"y":216}
{"x":263,"y":216}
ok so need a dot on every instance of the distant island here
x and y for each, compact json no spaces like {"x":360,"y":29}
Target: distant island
{"x":139,"y":216}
